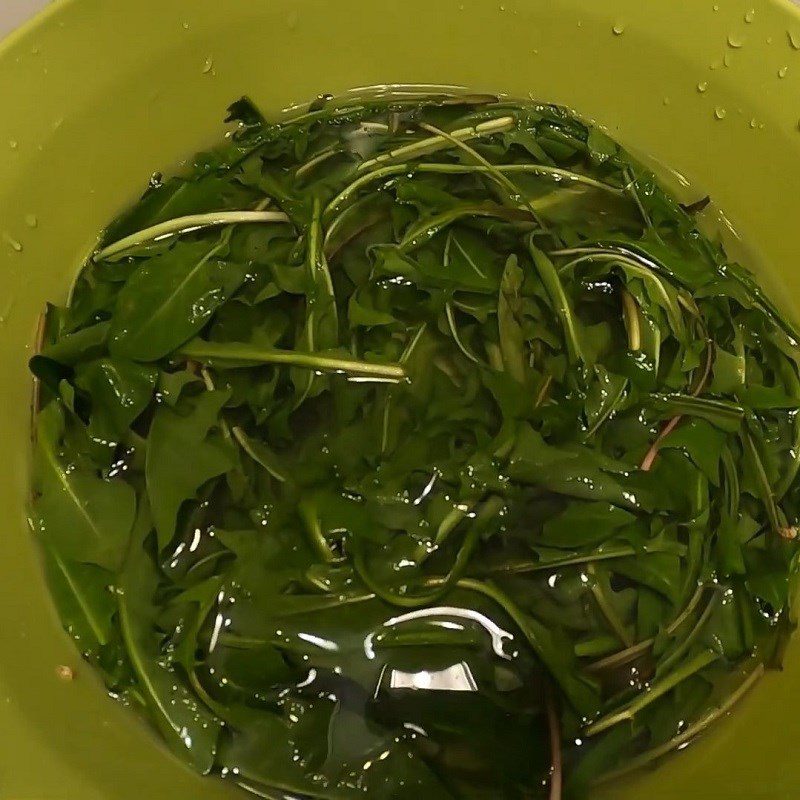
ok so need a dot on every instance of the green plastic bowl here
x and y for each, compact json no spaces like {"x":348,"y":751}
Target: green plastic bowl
{"x":97,"y":94}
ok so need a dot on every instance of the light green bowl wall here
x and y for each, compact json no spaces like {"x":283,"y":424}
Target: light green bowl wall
{"x":97,"y":94}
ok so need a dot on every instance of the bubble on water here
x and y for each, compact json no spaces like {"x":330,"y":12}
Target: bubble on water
{"x":794,"y":39}
{"x":783,"y":72}
{"x":735,"y":41}
{"x":720,"y":112}
{"x":750,"y":16}
{"x":702,"y":86}
{"x":618,"y":29}
{"x":32,"y":221}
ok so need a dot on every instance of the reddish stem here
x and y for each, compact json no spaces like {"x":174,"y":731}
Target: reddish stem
{"x":652,"y":453}
{"x":554,"y":725}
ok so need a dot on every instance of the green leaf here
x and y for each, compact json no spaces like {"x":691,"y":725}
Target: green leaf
{"x":575,"y":471}
{"x":560,"y":302}
{"x":182,"y":455}
{"x":659,"y":571}
{"x":601,"y":147}
{"x":361,"y":312}
{"x":190,"y":729}
{"x":84,"y":599}
{"x":119,"y":390}
{"x":170,"y":298}
{"x":81,"y":516}
{"x":74,"y":347}
{"x":172,"y":384}
{"x":702,"y":442}
{"x":584,"y":525}
{"x":605,"y":395}
{"x":512,"y":339}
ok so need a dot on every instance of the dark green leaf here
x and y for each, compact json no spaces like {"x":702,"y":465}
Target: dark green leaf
{"x":170,"y":298}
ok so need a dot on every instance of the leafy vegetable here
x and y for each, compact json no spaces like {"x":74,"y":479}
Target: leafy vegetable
{"x":419,"y":446}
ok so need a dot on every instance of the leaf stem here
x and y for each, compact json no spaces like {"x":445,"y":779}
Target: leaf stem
{"x":247,"y":355}
{"x":691,"y":732}
{"x":554,"y":726}
{"x":630,"y":313}
{"x":265,"y":458}
{"x":557,"y":174}
{"x":598,"y":589}
{"x":764,"y":487}
{"x":641,"y":702}
{"x":521,"y":567}
{"x":188,"y":224}
{"x":676,"y":655}
{"x":559,"y":300}
{"x":451,"y":323}
{"x":439,"y":142}
{"x":639,"y":649}
{"x":646,"y":273}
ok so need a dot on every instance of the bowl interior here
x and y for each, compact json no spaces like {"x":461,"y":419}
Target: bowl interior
{"x":97,"y":95}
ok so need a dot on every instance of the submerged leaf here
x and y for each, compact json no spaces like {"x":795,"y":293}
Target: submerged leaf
{"x":182,"y":456}
{"x":170,"y":298}
{"x":81,"y":516}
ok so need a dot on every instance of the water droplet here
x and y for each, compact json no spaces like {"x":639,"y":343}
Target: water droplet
{"x":502,"y":8}
{"x":716,"y":7}
{"x":580,"y":23}
{"x":750,"y":16}
{"x":619,"y":29}
{"x":35,"y":50}
{"x":753,"y":123}
{"x":208,"y":66}
{"x":715,"y":65}
{"x":794,"y":39}
{"x":783,"y":72}
{"x":12,"y":242}
{"x":32,"y":221}
{"x":726,"y":59}
{"x":720,"y":112}
{"x":292,"y":20}
{"x":769,"y":40}
{"x":536,"y":53}
{"x":666,"y":101}
{"x":734,"y":41}
{"x":461,"y":7}
{"x":13,"y":144}
{"x":702,"y":86}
